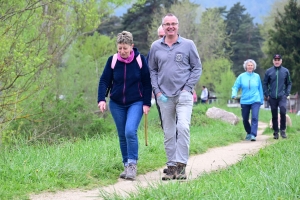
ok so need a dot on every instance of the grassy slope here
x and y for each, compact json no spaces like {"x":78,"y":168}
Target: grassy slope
{"x":273,"y":173}
{"x":25,"y":169}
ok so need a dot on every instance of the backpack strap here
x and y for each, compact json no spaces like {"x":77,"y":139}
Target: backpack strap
{"x":139,"y":61}
{"x":115,"y":57}
{"x":112,"y":65}
{"x":114,"y":61}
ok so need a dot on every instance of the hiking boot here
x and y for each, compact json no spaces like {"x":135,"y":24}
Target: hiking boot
{"x":248,"y":137}
{"x":165,"y":170}
{"x":253,"y":138}
{"x":171,"y":173}
{"x":275,"y":134}
{"x":123,"y":174}
{"x":181,"y":171}
{"x":131,"y":172}
{"x":282,"y":133}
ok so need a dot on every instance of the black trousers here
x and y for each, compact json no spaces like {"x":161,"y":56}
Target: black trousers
{"x":158,"y":109}
{"x":281,"y":103}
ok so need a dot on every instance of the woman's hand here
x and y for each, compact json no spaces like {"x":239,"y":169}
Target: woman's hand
{"x":102,"y":106}
{"x":146,"y":109}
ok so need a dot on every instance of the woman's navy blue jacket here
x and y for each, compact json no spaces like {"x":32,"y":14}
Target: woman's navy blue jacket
{"x":128,"y":83}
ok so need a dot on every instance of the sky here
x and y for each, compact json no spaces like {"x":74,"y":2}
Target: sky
{"x":256,"y":8}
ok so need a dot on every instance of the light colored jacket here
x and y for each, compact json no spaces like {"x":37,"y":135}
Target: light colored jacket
{"x":251,"y":86}
{"x":174,"y":68}
{"x":204,"y":94}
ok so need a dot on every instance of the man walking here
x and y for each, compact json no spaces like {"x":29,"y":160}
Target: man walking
{"x":175,"y":68}
{"x":277,"y":87}
{"x":160,"y":35}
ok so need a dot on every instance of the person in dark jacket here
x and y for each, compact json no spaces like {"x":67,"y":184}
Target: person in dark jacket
{"x":130,"y":96}
{"x":277,"y":86}
{"x":160,"y":35}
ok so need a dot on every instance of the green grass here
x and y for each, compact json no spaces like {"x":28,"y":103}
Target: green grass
{"x":273,"y":173}
{"x":26,"y":169}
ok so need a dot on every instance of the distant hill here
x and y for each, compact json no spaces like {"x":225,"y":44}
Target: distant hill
{"x":256,"y":8}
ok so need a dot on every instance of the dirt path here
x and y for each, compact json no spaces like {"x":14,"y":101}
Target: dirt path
{"x":213,"y":159}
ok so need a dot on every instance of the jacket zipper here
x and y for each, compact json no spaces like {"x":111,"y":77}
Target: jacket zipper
{"x":276,"y":83}
{"x":140,"y":89}
{"x":124,"y":98}
{"x":249,"y":84}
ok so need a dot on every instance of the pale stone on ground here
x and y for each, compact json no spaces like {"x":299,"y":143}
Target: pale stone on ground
{"x":288,"y":121}
{"x":213,"y":159}
{"x":217,"y":113}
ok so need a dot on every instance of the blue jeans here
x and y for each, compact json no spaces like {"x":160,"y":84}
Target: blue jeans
{"x":254,"y":117}
{"x":127,"y":119}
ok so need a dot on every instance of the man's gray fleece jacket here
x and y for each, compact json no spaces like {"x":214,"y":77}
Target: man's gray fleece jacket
{"x":174,"y":68}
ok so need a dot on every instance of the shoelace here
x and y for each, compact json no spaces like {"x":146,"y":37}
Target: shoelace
{"x":131,"y":168}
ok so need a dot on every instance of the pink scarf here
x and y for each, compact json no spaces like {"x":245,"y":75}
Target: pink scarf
{"x":128,"y":59}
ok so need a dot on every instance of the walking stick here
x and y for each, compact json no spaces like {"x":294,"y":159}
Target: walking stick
{"x":146,"y":127}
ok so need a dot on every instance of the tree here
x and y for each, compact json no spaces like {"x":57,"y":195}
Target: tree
{"x":85,"y":60}
{"x":223,"y":88}
{"x":212,"y":77}
{"x":268,"y":22}
{"x":187,"y":14}
{"x":245,"y":38}
{"x":138,"y":18}
{"x":184,"y":11}
{"x":23,"y":54}
{"x":111,"y":26}
{"x":34,"y":37}
{"x":212,"y":35}
{"x":155,"y":23}
{"x":285,"y":40}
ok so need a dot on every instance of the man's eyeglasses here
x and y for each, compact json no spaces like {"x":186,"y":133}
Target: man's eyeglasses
{"x":168,"y":24}
{"x":276,"y":59}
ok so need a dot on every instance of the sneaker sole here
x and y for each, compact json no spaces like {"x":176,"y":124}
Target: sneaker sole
{"x":130,"y":178}
{"x":168,"y":179}
{"x":123,"y":177}
{"x":283,"y":136}
{"x":181,"y":177}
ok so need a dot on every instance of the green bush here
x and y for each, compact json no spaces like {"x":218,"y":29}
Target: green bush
{"x":199,"y":117}
{"x":66,"y":119}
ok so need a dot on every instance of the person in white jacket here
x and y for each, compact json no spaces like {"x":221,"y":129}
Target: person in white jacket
{"x":251,"y":98}
{"x":204,"y":95}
